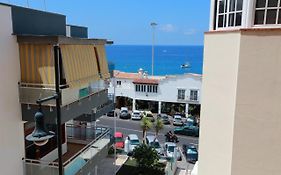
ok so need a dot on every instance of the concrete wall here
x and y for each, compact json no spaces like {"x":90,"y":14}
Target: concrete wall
{"x":11,"y":127}
{"x":167,"y":88}
{"x":257,"y":143}
{"x":220,"y":69}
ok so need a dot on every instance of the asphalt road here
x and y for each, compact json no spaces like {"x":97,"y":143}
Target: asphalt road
{"x":133,"y":127}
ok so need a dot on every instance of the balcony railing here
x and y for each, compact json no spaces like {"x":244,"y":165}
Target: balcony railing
{"x":81,"y":163}
{"x":187,"y":99}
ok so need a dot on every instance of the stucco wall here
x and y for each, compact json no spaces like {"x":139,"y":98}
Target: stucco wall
{"x":257,"y":143}
{"x":220,"y":69}
{"x":11,"y":127}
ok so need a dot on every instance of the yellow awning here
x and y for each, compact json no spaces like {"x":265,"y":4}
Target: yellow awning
{"x":37,"y":64}
{"x":79,"y":64}
{"x":103,"y":62}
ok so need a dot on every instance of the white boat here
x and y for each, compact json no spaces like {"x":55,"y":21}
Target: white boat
{"x":185,"y":66}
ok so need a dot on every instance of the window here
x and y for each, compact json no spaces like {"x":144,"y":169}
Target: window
{"x":194,"y":95}
{"x":229,"y":13}
{"x":118,"y":83}
{"x":137,"y":88}
{"x":268,"y":12}
{"x":181,"y":94}
{"x":146,"y":88}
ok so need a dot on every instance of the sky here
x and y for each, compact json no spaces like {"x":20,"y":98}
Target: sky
{"x":180,"y":22}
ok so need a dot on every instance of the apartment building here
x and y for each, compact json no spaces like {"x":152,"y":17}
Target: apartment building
{"x":29,"y":40}
{"x":240,"y":123}
{"x":158,"y":92}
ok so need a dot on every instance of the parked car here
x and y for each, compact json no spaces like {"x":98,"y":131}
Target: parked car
{"x":137,"y":115}
{"x":149,"y":115}
{"x":111,"y":113}
{"x":188,"y":130}
{"x":177,"y":121}
{"x":154,"y":143}
{"x":124,"y":113}
{"x":191,"y":153}
{"x":164,"y":118}
{"x":131,"y":142}
{"x":119,"y":140}
{"x":170,"y":148}
{"x":191,"y":121}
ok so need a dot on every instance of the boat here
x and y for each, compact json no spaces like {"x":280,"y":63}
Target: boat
{"x":185,"y":66}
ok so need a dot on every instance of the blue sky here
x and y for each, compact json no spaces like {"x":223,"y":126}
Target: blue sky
{"x":180,"y":22}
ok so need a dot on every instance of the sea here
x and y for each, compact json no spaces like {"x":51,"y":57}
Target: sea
{"x":167,"y":59}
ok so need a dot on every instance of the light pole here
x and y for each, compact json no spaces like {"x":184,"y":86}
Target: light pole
{"x":114,"y":115}
{"x":153,"y":25}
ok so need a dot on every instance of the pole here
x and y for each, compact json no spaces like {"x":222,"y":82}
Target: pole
{"x":45,"y":5}
{"x":57,"y":83}
{"x":153,"y":25}
{"x":115,"y":156}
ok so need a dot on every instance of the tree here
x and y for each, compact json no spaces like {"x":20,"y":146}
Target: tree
{"x":158,"y":125}
{"x":145,"y":126}
{"x":146,"y":156}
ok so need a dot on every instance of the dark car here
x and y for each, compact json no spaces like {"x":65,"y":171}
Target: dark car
{"x":164,"y":118}
{"x":149,"y":115}
{"x":125,"y":115}
{"x":188,"y":130}
{"x":110,"y":114}
{"x":190,"y":153}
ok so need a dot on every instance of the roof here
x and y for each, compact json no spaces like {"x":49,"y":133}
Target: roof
{"x":133,"y":137}
{"x":151,"y":138}
{"x":145,"y":81}
{"x":170,"y":144}
{"x":118,"y":134}
{"x":126,"y":75}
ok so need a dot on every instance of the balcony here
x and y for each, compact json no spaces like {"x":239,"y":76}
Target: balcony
{"x":74,"y":103}
{"x":86,"y":147}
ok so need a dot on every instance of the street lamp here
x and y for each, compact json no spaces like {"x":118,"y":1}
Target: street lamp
{"x":153,"y":25}
{"x":40,"y":136}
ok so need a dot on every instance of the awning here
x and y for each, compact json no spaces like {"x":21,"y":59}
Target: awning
{"x":79,"y":64}
{"x":37,"y":64}
{"x":103,"y":62}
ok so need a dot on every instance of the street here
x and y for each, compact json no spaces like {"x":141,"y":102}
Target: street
{"x":133,"y":127}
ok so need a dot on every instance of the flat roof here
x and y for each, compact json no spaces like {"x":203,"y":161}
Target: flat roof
{"x":43,"y":39}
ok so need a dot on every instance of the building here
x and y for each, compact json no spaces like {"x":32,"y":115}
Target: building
{"x":157,"y":93}
{"x":29,"y":39}
{"x":240,"y":123}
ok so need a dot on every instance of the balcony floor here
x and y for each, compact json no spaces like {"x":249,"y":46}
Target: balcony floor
{"x":72,"y":149}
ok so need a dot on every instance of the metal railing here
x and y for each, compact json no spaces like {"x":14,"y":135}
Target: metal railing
{"x":78,"y":163}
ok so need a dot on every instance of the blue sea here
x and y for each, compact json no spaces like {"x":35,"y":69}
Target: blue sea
{"x":168,"y":59}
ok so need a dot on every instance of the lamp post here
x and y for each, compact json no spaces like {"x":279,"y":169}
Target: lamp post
{"x":153,"y":25}
{"x":114,"y":115}
{"x":40,"y":136}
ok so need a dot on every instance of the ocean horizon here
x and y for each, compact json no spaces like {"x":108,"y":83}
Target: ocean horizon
{"x":167,"y":59}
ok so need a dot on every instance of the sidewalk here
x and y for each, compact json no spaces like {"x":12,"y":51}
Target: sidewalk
{"x":106,"y":166}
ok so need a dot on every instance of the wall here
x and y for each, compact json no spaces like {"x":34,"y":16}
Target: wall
{"x":220,"y":69}
{"x":11,"y":127}
{"x":257,"y":143}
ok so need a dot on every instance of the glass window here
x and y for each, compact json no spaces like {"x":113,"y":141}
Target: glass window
{"x":271,"y":16}
{"x":272,"y":3}
{"x":266,"y":12}
{"x":181,"y":94}
{"x":279,"y":18}
{"x":193,"y":95}
{"x":259,"y":17}
{"x":118,"y":82}
{"x":260,"y":3}
{"x":229,"y":13}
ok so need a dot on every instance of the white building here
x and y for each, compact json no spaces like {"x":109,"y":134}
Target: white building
{"x":241,"y":91}
{"x":178,"y":89}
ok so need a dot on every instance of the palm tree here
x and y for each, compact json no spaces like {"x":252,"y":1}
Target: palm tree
{"x":158,"y":125}
{"x":145,"y":126}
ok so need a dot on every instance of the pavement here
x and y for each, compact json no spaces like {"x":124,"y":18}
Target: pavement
{"x":107,"y":167}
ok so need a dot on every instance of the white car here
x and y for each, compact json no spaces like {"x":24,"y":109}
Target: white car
{"x":136,"y":115}
{"x":131,"y":142}
{"x":154,"y":143}
{"x":170,"y":148}
{"x":177,"y":120}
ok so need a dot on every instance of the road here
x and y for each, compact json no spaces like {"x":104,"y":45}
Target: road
{"x":133,"y":127}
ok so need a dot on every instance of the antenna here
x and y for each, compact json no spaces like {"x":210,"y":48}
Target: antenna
{"x":27,"y":2}
{"x":45,"y":5}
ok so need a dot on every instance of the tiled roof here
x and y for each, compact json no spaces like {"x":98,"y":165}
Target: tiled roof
{"x":145,"y":81}
{"x":126,"y":75}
